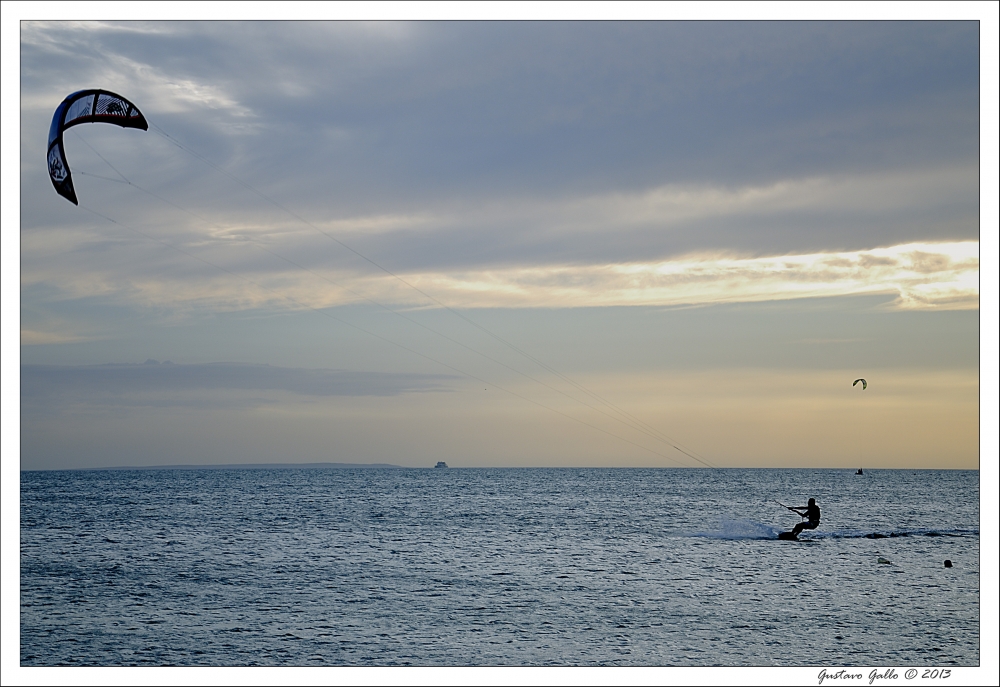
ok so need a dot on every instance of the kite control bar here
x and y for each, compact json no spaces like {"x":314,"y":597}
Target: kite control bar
{"x":790,"y":508}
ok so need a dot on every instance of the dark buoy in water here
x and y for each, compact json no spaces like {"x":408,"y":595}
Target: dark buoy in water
{"x":947,"y":563}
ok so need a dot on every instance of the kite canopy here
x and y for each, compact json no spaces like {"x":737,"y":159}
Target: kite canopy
{"x":92,"y":105}
{"x":864,"y":384}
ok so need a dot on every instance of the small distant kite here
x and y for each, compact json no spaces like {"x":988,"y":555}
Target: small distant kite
{"x":93,"y":105}
{"x":864,"y":384}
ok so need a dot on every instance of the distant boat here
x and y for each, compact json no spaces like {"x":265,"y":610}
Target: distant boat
{"x":441,"y":464}
{"x":859,"y":472}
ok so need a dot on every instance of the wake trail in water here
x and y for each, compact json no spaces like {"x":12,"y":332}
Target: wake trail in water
{"x":740,"y":529}
{"x":747,"y":529}
{"x":886,"y":534}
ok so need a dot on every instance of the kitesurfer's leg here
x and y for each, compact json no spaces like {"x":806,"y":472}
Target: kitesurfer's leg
{"x":804,"y":526}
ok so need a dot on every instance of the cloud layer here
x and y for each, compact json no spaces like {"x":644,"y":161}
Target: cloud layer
{"x":940,"y":276}
{"x":918,"y":275}
{"x":345,"y":119}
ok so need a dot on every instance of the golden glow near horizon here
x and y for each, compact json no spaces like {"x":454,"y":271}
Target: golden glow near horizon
{"x":907,"y":418}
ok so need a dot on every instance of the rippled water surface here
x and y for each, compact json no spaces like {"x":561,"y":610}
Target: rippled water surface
{"x":497,"y":567}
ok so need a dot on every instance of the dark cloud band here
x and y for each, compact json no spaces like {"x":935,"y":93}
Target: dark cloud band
{"x":53,"y":382}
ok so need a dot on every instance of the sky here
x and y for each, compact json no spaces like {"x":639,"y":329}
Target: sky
{"x":618,"y":244}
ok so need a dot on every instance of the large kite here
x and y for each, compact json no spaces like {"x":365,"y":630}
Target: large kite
{"x":92,"y":105}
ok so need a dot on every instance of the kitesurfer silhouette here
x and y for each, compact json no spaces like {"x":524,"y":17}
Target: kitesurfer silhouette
{"x":811,"y":512}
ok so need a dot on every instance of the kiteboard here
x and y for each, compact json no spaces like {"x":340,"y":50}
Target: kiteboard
{"x":787,"y":536}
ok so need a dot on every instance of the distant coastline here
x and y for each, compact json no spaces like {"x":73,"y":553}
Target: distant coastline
{"x":239,"y":466}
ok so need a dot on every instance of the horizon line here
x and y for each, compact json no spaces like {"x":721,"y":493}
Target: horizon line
{"x":341,"y":466}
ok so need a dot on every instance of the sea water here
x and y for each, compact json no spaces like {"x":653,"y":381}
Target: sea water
{"x":497,"y":567}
